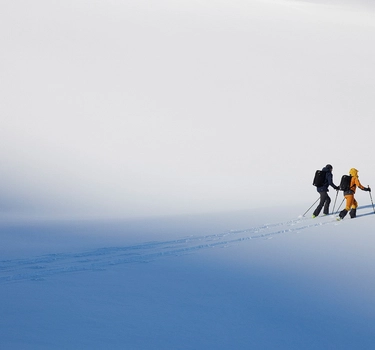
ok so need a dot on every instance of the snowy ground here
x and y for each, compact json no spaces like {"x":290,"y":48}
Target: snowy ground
{"x":261,"y":280}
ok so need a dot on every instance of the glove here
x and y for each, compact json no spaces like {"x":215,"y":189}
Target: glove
{"x":368,"y":189}
{"x":337,"y":188}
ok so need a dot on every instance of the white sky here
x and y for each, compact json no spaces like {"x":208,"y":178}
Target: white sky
{"x":133,"y":108}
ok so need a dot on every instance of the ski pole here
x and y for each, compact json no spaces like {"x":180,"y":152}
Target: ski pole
{"x":333,"y":210}
{"x":340,"y":205}
{"x":310,"y":207}
{"x":371,"y":200}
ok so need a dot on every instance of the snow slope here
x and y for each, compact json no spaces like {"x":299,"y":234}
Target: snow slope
{"x":269,"y":279}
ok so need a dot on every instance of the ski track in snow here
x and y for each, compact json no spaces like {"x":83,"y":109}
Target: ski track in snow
{"x":40,"y":267}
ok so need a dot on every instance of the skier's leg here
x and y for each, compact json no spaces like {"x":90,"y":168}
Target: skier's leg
{"x":320,"y":205}
{"x":349,"y":200}
{"x":326,"y":204}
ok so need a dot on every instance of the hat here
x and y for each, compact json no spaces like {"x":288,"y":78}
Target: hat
{"x":329,"y":166}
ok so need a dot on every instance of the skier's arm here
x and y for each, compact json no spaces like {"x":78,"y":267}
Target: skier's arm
{"x":363,"y":188}
{"x":330,"y":182}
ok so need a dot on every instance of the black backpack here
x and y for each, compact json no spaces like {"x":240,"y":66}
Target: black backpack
{"x":345,"y":183}
{"x":319,"y":178}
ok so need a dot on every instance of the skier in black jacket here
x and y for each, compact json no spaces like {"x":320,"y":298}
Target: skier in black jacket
{"x":325,"y":200}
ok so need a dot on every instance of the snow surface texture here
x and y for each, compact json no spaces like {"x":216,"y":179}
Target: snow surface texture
{"x":294,"y":283}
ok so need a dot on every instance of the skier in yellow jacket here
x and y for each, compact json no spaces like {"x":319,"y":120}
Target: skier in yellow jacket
{"x":351,"y":203}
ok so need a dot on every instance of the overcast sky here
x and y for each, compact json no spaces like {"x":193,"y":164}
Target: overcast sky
{"x":136,"y":108}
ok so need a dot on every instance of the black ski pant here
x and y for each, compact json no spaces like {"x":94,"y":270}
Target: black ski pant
{"x":352,"y":213}
{"x":325,"y":201}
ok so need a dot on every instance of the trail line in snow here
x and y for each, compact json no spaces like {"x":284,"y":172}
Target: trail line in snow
{"x":41,"y":267}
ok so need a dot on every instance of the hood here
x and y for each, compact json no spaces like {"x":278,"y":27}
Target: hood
{"x":353,"y":172}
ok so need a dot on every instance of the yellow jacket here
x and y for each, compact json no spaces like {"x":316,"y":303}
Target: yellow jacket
{"x":354,"y":183}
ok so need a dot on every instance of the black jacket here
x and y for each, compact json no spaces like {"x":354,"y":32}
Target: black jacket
{"x":328,"y":182}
